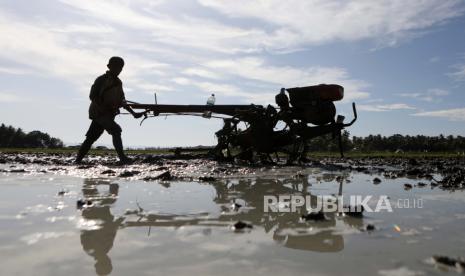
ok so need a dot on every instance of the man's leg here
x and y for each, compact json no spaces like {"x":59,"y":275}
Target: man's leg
{"x":118,"y":144}
{"x":94,"y":132}
{"x":115,"y":131}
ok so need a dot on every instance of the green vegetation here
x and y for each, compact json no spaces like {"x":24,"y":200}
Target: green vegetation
{"x":73,"y":150}
{"x":14,"y":140}
{"x":390,"y":144}
{"x":387,"y":154}
{"x":11,"y":137}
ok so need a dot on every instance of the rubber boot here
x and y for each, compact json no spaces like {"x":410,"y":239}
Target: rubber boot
{"x":85,"y":147}
{"x":118,"y":144}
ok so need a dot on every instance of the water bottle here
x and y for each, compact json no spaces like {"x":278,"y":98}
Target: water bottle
{"x":210,"y":102}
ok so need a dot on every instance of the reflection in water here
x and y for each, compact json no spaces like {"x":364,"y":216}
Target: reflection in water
{"x":286,"y":228}
{"x":98,"y":242}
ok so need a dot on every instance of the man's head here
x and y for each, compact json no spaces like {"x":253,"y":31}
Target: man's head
{"x":115,"y":65}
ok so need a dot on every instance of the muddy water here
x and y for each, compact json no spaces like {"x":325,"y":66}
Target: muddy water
{"x":127,"y":226}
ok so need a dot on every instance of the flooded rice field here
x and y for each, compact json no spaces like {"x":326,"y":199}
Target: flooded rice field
{"x":189,"y":216}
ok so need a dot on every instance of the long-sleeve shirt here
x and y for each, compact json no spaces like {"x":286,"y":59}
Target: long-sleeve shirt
{"x":106,"y":95}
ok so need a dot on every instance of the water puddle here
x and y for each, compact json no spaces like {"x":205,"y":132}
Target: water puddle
{"x":70,"y":220}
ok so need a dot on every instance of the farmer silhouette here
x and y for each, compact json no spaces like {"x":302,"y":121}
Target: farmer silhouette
{"x":107,"y":97}
{"x":97,"y":242}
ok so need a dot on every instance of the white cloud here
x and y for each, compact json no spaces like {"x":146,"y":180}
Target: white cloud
{"x":434,"y":59}
{"x":217,"y":88}
{"x":44,"y":50}
{"x":10,"y":98}
{"x":396,"y":106}
{"x":437,"y":92}
{"x":181,"y":81}
{"x":89,"y":29}
{"x":49,"y":51}
{"x":385,"y":107}
{"x":295,"y":23}
{"x":13,"y":70}
{"x":288,"y":76}
{"x":433,"y":94}
{"x":200,"y":72}
{"x":186,"y":49}
{"x":377,"y":100}
{"x":289,"y":25}
{"x":149,"y":87}
{"x":180,"y":31}
{"x":227,"y":90}
{"x":459,"y":73}
{"x":456,"y":114}
{"x":78,"y":52}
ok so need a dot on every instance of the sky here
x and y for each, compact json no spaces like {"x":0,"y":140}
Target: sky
{"x":402,"y":62}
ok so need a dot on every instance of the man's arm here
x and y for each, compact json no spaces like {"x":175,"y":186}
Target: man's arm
{"x":125,"y":105}
{"x":136,"y":115}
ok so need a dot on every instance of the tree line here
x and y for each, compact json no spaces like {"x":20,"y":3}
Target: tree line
{"x":11,"y":137}
{"x":393,"y":143}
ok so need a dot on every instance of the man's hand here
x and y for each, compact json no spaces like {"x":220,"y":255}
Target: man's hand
{"x":137,"y":115}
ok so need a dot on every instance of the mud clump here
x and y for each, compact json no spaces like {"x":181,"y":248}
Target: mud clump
{"x":315,"y":216}
{"x":165,"y":176}
{"x":82,"y":203}
{"x":453,"y":181}
{"x":457,"y":263}
{"x":370,"y":227}
{"x":129,"y":173}
{"x":85,"y":167}
{"x":108,"y":172}
{"x":207,"y":178}
{"x":415,"y":172}
{"x":240,"y":225}
{"x":408,"y":186}
{"x":354,"y":211}
{"x":421,"y":184}
{"x":413,"y":162}
{"x":18,"y":171}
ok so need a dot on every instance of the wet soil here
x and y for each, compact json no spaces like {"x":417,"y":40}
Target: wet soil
{"x":190,"y":214}
{"x":444,"y":173}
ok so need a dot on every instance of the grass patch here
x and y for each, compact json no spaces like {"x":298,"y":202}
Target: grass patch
{"x":386,"y":154}
{"x":95,"y":151}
